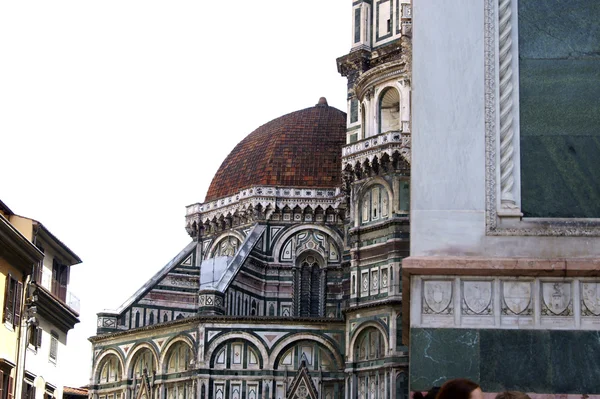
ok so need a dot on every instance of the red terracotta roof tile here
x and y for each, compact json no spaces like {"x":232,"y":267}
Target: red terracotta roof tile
{"x":300,"y":149}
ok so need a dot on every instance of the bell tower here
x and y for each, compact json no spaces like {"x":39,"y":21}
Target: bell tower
{"x":376,"y":172}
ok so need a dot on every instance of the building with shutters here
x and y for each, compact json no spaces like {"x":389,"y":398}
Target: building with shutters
{"x":18,"y":256}
{"x":290,"y":285}
{"x":38,"y":309}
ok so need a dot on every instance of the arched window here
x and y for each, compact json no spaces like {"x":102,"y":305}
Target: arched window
{"x":369,"y":345}
{"x":137,"y":318}
{"x":144,"y":360}
{"x":165,"y":318}
{"x":151,"y":318}
{"x":179,"y":358}
{"x":271,"y":310}
{"x":253,"y":309}
{"x":317,"y":357}
{"x":375,"y":204}
{"x":110,"y":370}
{"x":308,"y":303}
{"x":389,"y":110}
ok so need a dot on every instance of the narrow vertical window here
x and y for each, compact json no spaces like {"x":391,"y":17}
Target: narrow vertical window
{"x":356,"y":25}
{"x":353,"y":110}
{"x":53,"y":347}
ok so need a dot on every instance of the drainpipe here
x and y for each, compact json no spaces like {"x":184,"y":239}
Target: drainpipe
{"x":22,"y":339}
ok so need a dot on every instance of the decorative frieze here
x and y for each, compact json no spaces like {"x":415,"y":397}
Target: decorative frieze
{"x":505,"y":302}
{"x":376,"y":146}
{"x":265,"y":203}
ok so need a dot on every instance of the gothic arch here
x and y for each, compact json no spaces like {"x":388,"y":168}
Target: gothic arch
{"x":100,"y":360}
{"x":216,"y":343}
{"x":137,"y":348}
{"x":290,"y":232}
{"x":363,"y":326}
{"x":164,"y":355}
{"x":378,"y":180}
{"x":282,"y":345}
{"x":309,"y":284}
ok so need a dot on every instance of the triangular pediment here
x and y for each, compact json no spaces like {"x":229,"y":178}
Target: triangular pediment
{"x":302,"y":387}
{"x":145,"y":391}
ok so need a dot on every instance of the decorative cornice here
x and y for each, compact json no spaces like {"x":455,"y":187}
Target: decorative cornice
{"x":17,"y":248}
{"x":376,"y":146}
{"x":378,"y":74}
{"x":269,"y":198}
{"x":259,"y":320}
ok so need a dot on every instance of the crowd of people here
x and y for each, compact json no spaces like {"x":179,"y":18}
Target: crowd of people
{"x":461,"y":388}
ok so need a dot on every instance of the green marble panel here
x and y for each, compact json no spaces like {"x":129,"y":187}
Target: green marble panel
{"x":559,"y":72}
{"x":575,"y":361}
{"x":437,"y":355}
{"x":537,"y":361}
{"x":515,"y":360}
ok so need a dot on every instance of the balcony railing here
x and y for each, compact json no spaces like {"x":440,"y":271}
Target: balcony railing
{"x":58,"y":290}
{"x":373,"y":142}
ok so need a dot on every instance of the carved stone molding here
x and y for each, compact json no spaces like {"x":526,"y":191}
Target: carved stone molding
{"x":365,"y":82}
{"x":507,"y":153}
{"x":505,"y":302}
{"x":384,"y":144}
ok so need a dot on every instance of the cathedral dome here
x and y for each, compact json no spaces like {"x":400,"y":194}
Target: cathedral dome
{"x":300,"y":149}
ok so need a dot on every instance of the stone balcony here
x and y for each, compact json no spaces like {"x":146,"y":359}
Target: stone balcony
{"x":60,"y":291}
{"x":379,"y":146}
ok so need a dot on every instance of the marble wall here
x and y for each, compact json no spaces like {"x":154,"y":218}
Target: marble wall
{"x":541,"y":361}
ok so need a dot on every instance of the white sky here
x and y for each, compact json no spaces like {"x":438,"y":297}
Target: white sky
{"x":115,"y":114}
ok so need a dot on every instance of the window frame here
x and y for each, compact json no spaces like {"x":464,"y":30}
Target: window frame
{"x":503,"y":200}
{"x":53,"y":348}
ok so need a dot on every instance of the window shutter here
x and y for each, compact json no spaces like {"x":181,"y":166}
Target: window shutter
{"x":1,"y":384}
{"x":32,"y":395}
{"x":9,"y":300}
{"x":53,"y":347}
{"x":9,"y":388}
{"x":18,"y":300}
{"x":38,"y":332}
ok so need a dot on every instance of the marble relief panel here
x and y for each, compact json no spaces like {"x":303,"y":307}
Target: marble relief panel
{"x":556,"y":299}
{"x":505,"y":302}
{"x":590,"y":298}
{"x":437,"y":297}
{"x":477,"y":297}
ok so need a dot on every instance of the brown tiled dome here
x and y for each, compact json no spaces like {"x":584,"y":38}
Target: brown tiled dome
{"x":301,"y":149}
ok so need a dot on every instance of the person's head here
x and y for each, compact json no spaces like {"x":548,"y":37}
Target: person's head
{"x":512,"y":395}
{"x":431,"y":394}
{"x":460,"y":388}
